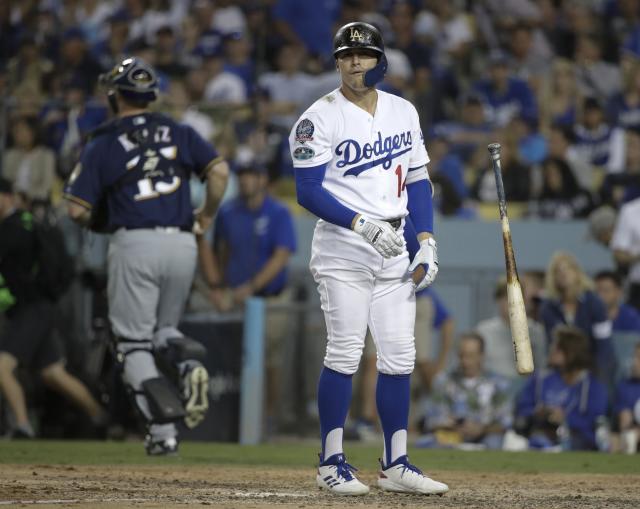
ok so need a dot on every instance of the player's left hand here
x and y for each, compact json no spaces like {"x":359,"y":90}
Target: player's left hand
{"x":201,"y":222}
{"x":427,"y":255}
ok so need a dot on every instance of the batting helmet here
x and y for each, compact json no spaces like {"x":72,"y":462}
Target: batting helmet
{"x":134,"y":79}
{"x":360,"y":35}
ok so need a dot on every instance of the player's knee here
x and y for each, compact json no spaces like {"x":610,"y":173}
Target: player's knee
{"x":344,"y":356}
{"x":397,"y":357}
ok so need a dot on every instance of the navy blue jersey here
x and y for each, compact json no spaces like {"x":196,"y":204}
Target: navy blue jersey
{"x":143,"y":163}
{"x":581,"y":402}
{"x":517,"y":101}
{"x":627,"y":395}
{"x":628,"y":319}
{"x":252,"y":236}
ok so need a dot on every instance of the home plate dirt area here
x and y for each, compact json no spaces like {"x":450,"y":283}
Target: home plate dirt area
{"x":260,"y":487}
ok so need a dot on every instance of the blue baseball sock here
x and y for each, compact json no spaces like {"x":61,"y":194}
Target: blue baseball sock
{"x":334,"y":398}
{"x":392,"y":399}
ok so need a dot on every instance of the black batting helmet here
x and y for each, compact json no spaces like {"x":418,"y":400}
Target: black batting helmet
{"x":360,"y":35}
{"x":134,"y":79}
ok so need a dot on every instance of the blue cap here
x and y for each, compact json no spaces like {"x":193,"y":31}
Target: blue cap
{"x":209,"y":45}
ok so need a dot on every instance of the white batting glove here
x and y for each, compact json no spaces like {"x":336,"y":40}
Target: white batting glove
{"x":427,"y":255}
{"x":380,"y":235}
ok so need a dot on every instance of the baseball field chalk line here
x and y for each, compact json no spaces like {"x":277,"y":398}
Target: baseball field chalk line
{"x":246,"y":494}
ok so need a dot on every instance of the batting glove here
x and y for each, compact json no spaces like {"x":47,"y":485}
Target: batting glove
{"x":427,"y":255}
{"x":380,"y":235}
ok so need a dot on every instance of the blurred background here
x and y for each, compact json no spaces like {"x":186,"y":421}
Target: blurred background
{"x":556,"y":82}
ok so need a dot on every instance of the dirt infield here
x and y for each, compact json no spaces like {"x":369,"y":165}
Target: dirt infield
{"x":259,"y":487}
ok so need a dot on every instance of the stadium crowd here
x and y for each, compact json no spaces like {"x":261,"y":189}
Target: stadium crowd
{"x":557,"y":82}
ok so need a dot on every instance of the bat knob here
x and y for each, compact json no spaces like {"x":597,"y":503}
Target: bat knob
{"x":494,"y":150}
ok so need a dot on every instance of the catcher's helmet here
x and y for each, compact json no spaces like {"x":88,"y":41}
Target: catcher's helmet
{"x":134,"y":79}
{"x":360,"y":35}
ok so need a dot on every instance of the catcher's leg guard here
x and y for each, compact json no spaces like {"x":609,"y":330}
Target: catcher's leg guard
{"x":180,"y":357}
{"x":164,"y":403}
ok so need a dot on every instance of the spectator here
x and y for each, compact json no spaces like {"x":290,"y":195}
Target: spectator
{"x":569,"y":300}
{"x":561,"y":197}
{"x":625,"y":244}
{"x":602,"y":222}
{"x":596,"y":142}
{"x":470,"y":131}
{"x":253,"y":241}
{"x":238,"y":48}
{"x":402,"y":17}
{"x":469,"y":404}
{"x":561,"y":407}
{"x":533,"y":289}
{"x":624,"y":317}
{"x":27,"y":339}
{"x":167,"y":58}
{"x":498,"y":341}
{"x":561,"y":147}
{"x":627,"y":406}
{"x":28,"y":164}
{"x":111,"y":50}
{"x":504,"y":95}
{"x":596,"y":77}
{"x":287,"y":89}
{"x":515,"y":176}
{"x":558,"y":95}
{"x":624,"y":107}
{"x":450,"y":31}
{"x":529,"y":62}
{"x":75,"y":61}
{"x":619,"y":188}
{"x":222,"y":87}
{"x":307,"y":24}
{"x":25,"y":74}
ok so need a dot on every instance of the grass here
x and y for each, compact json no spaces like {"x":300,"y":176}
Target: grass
{"x":292,"y":455}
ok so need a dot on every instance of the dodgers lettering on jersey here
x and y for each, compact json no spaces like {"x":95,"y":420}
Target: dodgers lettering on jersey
{"x":161,"y":152}
{"x":370,"y":159}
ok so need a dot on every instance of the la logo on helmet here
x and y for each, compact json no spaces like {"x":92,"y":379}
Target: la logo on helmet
{"x":356,"y":35}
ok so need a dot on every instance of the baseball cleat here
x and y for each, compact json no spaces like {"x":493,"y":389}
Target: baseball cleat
{"x":196,"y":385}
{"x":336,"y":476}
{"x":168,"y":447}
{"x":403,"y":477}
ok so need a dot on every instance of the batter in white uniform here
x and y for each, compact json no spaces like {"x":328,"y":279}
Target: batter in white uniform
{"x":361,"y":168}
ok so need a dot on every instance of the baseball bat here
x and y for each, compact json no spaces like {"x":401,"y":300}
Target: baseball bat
{"x":517,"y":313}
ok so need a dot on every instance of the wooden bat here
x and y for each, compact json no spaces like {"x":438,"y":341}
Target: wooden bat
{"x":517,"y":314}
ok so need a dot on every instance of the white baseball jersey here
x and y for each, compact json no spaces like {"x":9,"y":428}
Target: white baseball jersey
{"x":370,"y":159}
{"x":626,"y":235}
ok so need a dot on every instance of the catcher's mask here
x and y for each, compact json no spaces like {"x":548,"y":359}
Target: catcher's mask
{"x":133,"y":79}
{"x":362,"y":36}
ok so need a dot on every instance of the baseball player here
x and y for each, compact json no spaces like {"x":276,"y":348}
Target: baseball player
{"x":142,"y":162}
{"x":360,"y":166}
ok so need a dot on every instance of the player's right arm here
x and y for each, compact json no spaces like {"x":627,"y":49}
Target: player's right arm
{"x":311,"y":151}
{"x":84,"y":187}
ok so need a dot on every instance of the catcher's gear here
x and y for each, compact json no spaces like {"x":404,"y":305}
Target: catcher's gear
{"x":165,"y":404}
{"x":427,"y":255}
{"x":359,"y":35}
{"x":381,"y":235}
{"x":132,"y":78}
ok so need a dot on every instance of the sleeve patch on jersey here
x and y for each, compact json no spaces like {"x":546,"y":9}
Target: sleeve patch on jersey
{"x":303,"y":153}
{"x":304,"y":130}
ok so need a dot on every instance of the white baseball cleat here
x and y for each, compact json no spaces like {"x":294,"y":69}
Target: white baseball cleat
{"x":402,"y":477}
{"x":336,"y":476}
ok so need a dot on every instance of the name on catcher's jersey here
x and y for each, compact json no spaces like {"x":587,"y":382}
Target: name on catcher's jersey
{"x":370,"y":158}
{"x":158,"y":154}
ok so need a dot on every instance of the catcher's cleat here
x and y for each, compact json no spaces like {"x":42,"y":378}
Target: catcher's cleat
{"x":167,"y":447}
{"x":336,"y":476}
{"x":403,"y":477}
{"x":196,"y":388}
